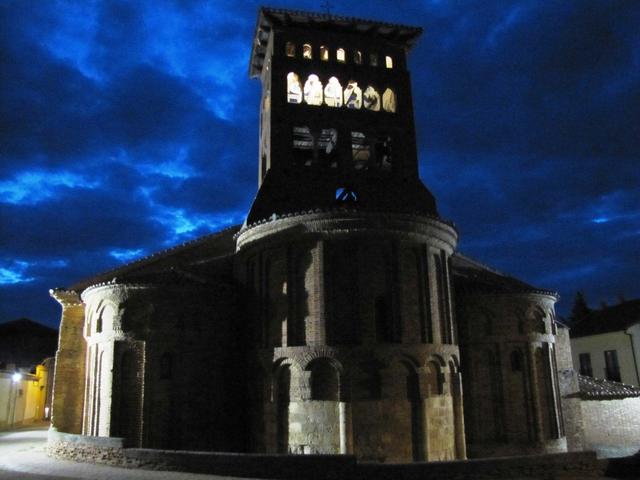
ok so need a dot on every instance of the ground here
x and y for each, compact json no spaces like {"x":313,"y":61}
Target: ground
{"x":22,"y":456}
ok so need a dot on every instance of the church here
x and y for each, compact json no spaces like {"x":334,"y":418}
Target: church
{"x":339,"y":318}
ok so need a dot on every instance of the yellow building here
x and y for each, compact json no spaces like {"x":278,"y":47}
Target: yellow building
{"x":23,"y":397}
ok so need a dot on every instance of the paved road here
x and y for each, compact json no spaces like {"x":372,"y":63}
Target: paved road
{"x":22,"y":457}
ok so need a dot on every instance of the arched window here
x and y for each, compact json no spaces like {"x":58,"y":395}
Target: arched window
{"x":313,"y":90}
{"x":290,"y":49}
{"x":357,"y":57}
{"x":166,"y":366}
{"x":345,"y":195}
{"x":294,"y":89}
{"x":388,"y":61}
{"x":373,"y":59}
{"x":516,"y":361}
{"x":353,"y":95}
{"x":306,"y":51}
{"x":325,"y":381}
{"x":333,"y":93}
{"x":389,"y":101}
{"x":99,"y":324}
{"x":371,"y":99}
{"x":434,"y":381}
{"x":324,"y":53}
{"x":340,"y":55}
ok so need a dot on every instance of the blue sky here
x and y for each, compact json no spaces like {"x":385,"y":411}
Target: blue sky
{"x":127,"y":127}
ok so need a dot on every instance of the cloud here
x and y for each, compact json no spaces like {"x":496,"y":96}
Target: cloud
{"x":35,"y":186}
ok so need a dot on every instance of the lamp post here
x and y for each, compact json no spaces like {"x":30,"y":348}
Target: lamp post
{"x":15,"y":380}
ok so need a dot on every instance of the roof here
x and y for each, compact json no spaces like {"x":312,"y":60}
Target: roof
{"x":206,"y":249}
{"x":601,"y":389}
{"x":616,"y":318}
{"x":474,"y":277}
{"x":270,"y":17}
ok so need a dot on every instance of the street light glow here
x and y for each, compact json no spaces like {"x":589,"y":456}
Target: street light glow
{"x":16,"y":377}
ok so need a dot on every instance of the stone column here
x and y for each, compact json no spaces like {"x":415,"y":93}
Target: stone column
{"x":458,"y":416}
{"x":68,"y":380}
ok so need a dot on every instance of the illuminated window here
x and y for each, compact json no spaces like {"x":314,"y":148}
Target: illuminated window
{"x":345,"y":195}
{"x":388,"y":61}
{"x":324,"y":53}
{"x":357,"y":57}
{"x":290,"y":49}
{"x":306,"y":51}
{"x":294,"y":90}
{"x":389,"y":100}
{"x":333,"y":93}
{"x":313,"y":90}
{"x":340,"y":55}
{"x":315,"y":147}
{"x":371,"y":99}
{"x":373,"y":59}
{"x":360,"y":151}
{"x":353,"y":95}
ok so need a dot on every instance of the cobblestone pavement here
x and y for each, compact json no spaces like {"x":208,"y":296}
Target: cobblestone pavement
{"x":22,"y":456}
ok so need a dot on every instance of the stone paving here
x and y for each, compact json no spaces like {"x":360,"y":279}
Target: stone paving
{"x":22,"y":456}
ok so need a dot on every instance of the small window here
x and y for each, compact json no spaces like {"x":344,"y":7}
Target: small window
{"x":345,"y":195}
{"x":313,"y":90}
{"x":389,"y":101}
{"x":306,"y":51}
{"x":585,"y":364}
{"x":373,"y":59}
{"x":353,"y":95}
{"x":99,"y":324}
{"x":371,"y":99}
{"x":516,"y":361}
{"x":324,"y":53}
{"x":166,"y":366}
{"x":612,"y":367}
{"x":388,"y":61}
{"x":340,"y":55}
{"x":294,"y":89}
{"x":333,"y":93}
{"x":360,"y":151}
{"x":357,"y":57}
{"x":383,"y":153}
{"x":290,"y":49}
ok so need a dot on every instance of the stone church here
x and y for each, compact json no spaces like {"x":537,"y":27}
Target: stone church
{"x":339,"y":318}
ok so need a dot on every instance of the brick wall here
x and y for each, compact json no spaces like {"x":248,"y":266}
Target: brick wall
{"x":612,"y":427}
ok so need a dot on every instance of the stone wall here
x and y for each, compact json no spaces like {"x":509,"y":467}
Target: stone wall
{"x":612,"y":427}
{"x":82,"y":448}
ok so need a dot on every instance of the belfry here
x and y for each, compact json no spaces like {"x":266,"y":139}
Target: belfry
{"x":339,"y":318}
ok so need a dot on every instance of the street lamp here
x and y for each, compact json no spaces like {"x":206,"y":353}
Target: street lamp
{"x":16,"y":377}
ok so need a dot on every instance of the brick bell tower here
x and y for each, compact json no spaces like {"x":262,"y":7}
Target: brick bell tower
{"x":351,"y":337}
{"x":336,"y":122}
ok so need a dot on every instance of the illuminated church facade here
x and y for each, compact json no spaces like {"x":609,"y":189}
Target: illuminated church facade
{"x":339,"y":317}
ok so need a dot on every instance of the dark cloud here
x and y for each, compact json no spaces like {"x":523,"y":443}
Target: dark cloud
{"x":126,"y":127}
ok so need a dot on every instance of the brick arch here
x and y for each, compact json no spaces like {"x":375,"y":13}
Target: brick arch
{"x":306,"y":357}
{"x":324,"y":379}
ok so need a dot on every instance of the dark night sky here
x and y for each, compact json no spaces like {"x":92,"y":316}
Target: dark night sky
{"x":127,"y":127}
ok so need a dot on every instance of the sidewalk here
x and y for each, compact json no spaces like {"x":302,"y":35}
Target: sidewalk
{"x":22,"y":456}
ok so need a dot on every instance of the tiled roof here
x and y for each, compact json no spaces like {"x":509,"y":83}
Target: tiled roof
{"x":473,"y":276}
{"x":616,"y":318}
{"x":601,"y":389}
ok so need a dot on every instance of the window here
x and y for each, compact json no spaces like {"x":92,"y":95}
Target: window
{"x":373,"y":59}
{"x":383,"y":153}
{"x":345,"y":195}
{"x":371,"y":99}
{"x":99,"y":324}
{"x":585,"y":364}
{"x":306,"y":51}
{"x":352,"y":95}
{"x":310,"y":147}
{"x":612,"y":367}
{"x":360,"y":151}
{"x":333,"y":93}
{"x":290,"y":49}
{"x":388,"y":61}
{"x":313,"y":90}
{"x":389,"y":101}
{"x":294,"y":90}
{"x":340,"y":55}
{"x":324,"y":53}
{"x":166,"y":366}
{"x":357,"y":57}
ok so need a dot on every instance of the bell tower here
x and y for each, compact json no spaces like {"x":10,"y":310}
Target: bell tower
{"x":336,"y":123}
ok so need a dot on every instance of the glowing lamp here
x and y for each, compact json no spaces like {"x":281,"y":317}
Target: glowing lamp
{"x":16,"y":377}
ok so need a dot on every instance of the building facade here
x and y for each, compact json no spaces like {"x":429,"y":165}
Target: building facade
{"x":339,"y":318}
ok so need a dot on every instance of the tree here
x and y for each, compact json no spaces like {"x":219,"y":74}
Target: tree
{"x":580,"y":309}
